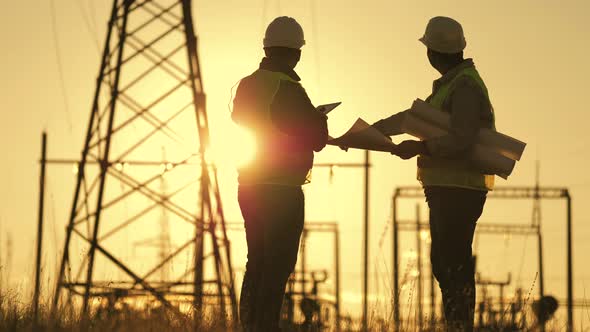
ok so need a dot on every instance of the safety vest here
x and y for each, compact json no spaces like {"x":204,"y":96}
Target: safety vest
{"x":461,"y":173}
{"x":271,"y":167}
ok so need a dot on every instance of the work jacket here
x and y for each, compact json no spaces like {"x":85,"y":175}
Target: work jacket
{"x":462,"y":93}
{"x":288,"y":129}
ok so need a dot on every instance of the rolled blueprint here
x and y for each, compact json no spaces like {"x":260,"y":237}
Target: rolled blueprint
{"x":503,"y":144}
{"x":485,"y":158}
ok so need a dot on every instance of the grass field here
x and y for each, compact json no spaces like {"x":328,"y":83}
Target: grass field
{"x":16,"y":315}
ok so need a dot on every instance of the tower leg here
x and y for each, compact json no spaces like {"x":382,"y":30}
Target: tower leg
{"x":105,"y":158}
{"x":82,"y":165}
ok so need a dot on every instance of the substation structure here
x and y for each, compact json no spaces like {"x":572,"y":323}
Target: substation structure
{"x":149,"y":95}
{"x":306,"y":292}
{"x":493,"y":317}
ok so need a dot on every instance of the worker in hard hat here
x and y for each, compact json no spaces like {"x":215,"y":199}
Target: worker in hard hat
{"x":455,"y":189}
{"x":288,"y":129}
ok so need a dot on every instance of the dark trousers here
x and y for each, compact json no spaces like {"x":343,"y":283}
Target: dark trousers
{"x":273,"y":218}
{"x":453,"y":215}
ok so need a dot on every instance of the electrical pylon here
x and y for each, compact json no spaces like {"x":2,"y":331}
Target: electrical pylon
{"x":162,"y":241}
{"x":149,"y":94}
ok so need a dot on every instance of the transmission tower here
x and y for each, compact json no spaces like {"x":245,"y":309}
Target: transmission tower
{"x":162,"y":241}
{"x":149,"y":93}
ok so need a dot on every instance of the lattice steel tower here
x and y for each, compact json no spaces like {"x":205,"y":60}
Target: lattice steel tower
{"x":149,"y":94}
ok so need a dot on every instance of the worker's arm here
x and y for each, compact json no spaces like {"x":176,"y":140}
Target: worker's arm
{"x":467,"y":104}
{"x":294,"y":114}
{"x":391,"y":126}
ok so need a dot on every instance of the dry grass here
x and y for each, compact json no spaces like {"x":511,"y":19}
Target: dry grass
{"x":16,"y":316}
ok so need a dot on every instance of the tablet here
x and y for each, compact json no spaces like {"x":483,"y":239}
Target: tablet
{"x":327,"y":108}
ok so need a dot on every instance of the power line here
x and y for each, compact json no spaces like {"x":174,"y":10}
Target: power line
{"x":263,"y":18}
{"x":59,"y":63}
{"x":92,"y":13}
{"x":316,"y":46}
{"x":89,"y":27}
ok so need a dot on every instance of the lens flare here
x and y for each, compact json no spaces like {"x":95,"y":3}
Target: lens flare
{"x":238,"y":149}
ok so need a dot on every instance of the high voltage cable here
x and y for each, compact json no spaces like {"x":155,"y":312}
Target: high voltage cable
{"x":316,"y":46}
{"x":59,"y":63}
{"x":92,"y":14}
{"x":91,"y":28}
{"x":263,"y":18}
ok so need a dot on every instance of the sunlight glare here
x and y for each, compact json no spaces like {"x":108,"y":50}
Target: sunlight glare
{"x":236,"y":150}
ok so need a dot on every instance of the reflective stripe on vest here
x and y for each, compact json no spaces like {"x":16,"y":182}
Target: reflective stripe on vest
{"x":456,"y":174}
{"x":270,"y":82}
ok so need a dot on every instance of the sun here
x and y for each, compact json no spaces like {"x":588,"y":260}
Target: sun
{"x":235,"y":149}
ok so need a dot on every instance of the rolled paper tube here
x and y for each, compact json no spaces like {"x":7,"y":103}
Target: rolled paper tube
{"x":420,"y":128}
{"x":501,"y":143}
{"x":491,"y":162}
{"x":485,"y":158}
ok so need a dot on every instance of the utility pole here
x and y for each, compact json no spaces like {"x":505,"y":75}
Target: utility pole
{"x":395,"y":263}
{"x":419,"y":295}
{"x":366,"y":246}
{"x":40,"y":231}
{"x":537,"y":223}
{"x":570,"y":266}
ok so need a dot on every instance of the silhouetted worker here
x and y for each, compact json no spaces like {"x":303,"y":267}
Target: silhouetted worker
{"x":288,"y":129}
{"x":455,"y":189}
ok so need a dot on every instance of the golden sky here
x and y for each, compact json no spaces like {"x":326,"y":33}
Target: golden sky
{"x":532,"y":55}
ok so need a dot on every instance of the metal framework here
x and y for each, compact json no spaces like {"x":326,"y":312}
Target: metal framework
{"x":161,"y":242}
{"x":535,"y":193}
{"x":149,"y":94}
{"x":303,"y":284}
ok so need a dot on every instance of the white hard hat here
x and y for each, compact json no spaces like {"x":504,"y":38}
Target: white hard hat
{"x":284,"y":31}
{"x":444,"y":35}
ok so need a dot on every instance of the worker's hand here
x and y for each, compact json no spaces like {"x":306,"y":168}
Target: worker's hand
{"x":394,"y":149}
{"x":409,"y":149}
